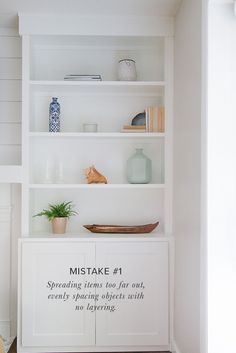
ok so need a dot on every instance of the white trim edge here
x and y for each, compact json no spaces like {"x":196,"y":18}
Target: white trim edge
{"x":95,"y":25}
{"x":175,"y":348}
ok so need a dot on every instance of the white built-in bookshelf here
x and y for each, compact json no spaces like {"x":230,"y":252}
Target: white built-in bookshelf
{"x":54,"y":163}
{"x":53,"y":171}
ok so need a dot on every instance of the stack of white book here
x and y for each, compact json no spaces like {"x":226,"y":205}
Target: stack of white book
{"x":83,"y":77}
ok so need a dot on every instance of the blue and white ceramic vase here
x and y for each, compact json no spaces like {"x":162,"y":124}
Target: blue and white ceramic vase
{"x":139,"y":168}
{"x":54,"y":116}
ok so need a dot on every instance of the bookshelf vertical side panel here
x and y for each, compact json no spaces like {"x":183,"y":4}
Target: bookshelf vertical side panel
{"x":169,"y":54}
{"x":25,"y":130}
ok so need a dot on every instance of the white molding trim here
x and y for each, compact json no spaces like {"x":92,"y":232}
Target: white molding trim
{"x":175,"y":348}
{"x":5,"y":329}
{"x":95,"y":25}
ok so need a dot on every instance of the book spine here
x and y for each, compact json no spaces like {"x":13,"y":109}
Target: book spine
{"x":155,"y":119}
{"x":161,"y":119}
{"x":151,"y":119}
{"x":147,"y":119}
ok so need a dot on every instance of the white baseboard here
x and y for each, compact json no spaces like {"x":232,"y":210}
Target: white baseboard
{"x":175,"y":348}
{"x":5,"y":329}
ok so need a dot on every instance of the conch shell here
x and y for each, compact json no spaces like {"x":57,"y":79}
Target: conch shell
{"x":94,"y":177}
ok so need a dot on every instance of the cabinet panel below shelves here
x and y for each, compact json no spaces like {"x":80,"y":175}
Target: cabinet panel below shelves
{"x":126,"y":306}
{"x":146,"y":295}
{"x":47,"y":321}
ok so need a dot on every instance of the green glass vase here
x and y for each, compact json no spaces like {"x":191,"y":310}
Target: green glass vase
{"x":139,"y":168}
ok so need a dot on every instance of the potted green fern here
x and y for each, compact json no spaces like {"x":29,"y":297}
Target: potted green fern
{"x":58,"y":214}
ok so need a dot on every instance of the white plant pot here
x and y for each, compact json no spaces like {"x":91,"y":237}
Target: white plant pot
{"x":59,"y":225}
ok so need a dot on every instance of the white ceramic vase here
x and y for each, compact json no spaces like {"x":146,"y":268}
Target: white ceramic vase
{"x":127,"y":70}
{"x":59,"y":225}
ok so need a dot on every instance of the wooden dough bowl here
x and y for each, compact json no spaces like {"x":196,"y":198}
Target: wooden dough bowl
{"x":145,"y":228}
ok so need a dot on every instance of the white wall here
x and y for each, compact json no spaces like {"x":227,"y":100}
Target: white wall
{"x":9,"y":233}
{"x":10,"y":97}
{"x":5,"y":259}
{"x":187,"y":176}
{"x":10,"y":154}
{"x":221,"y":179}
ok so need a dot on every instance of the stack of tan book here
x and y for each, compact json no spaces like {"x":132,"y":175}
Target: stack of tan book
{"x":155,"y":119}
{"x":134,"y":128}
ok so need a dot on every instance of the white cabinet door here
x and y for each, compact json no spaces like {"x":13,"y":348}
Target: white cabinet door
{"x":139,"y":289}
{"x":51,"y":314}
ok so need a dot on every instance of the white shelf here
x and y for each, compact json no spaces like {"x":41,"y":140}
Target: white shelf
{"x":10,"y":174}
{"x":97,"y":134}
{"x":84,"y":234}
{"x":97,"y":83}
{"x":96,"y":186}
{"x":139,"y":87}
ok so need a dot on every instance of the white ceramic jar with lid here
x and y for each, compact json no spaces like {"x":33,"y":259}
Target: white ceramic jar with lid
{"x":127,"y":70}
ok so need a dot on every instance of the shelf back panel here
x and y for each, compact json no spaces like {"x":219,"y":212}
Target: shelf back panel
{"x":57,"y":57}
{"x":65,"y":160}
{"x":99,"y":207}
{"x":110,"y":112}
